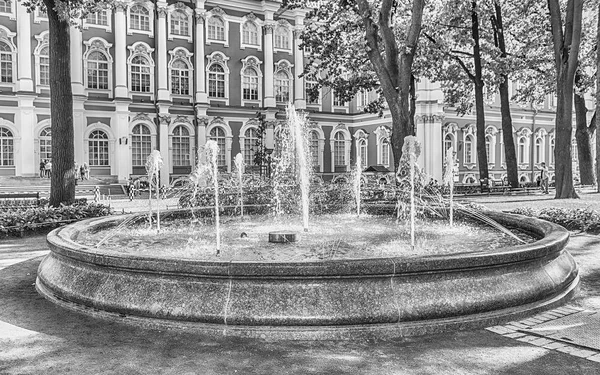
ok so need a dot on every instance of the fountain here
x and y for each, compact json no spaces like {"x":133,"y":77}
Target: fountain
{"x":239,"y":166}
{"x":350,"y":277}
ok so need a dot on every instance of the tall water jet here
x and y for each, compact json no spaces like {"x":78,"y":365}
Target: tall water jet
{"x":410,"y":150}
{"x":153,"y":165}
{"x":449,"y":179}
{"x":298,"y":124}
{"x":356,"y":180}
{"x":239,"y":166}
{"x":212,"y":151}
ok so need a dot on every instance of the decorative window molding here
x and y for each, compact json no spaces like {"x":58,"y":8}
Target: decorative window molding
{"x":217,"y":27}
{"x":99,"y":20}
{"x":345,"y":137}
{"x":140,"y":51}
{"x":251,"y":32}
{"x":141,"y":129}
{"x":491,"y":133}
{"x":523,"y":147}
{"x":214,"y":77}
{"x":140,"y":19}
{"x":362,"y":100}
{"x":181,"y":142}
{"x":283,"y":81}
{"x":469,"y":133}
{"x":40,"y":14}
{"x":362,"y":147}
{"x":469,"y":178}
{"x":181,"y":72}
{"x":250,"y":127}
{"x":101,"y":134}
{"x":336,"y":102}
{"x":382,"y":141}
{"x":450,"y":129}
{"x":98,"y":45}
{"x":311,"y":81}
{"x":551,"y":147}
{"x":42,"y":60}
{"x":8,"y":9}
{"x":315,"y":128}
{"x":251,"y":78}
{"x":283,"y":37}
{"x":8,"y":57}
{"x":212,"y":132}
{"x":539,"y":153}
{"x":180,"y":22}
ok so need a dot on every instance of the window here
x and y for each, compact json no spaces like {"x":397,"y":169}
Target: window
{"x":98,"y":147}
{"x":141,"y":145}
{"x":310,"y":84}
{"x":216,"y":81}
{"x":216,"y":29}
{"x":281,"y":38}
{"x":338,"y":101}
{"x":7,"y":157}
{"x":140,"y":74}
{"x":339,"y":149}
{"x":552,"y":151}
{"x":179,"y":23}
{"x":385,"y":152}
{"x":469,"y":150}
{"x":6,"y":63}
{"x":362,"y":100}
{"x":44,"y":67}
{"x":250,"y":146}
{"x":362,"y":152}
{"x":314,"y":147}
{"x":45,"y":144}
{"x":97,"y":71}
{"x":180,"y":78}
{"x":250,"y":84}
{"x":250,"y":34}
{"x":282,"y":87}
{"x":488,"y":148}
{"x":448,"y":142}
{"x":5,"y":6}
{"x":521,"y":150}
{"x":217,"y":134}
{"x":139,"y":18}
{"x":539,"y":153}
{"x":181,"y":146}
{"x":98,"y":18}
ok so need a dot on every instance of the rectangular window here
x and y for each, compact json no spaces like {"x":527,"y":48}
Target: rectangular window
{"x":180,"y":82}
{"x":468,"y":153}
{"x":181,"y":151}
{"x":338,"y":101}
{"x":6,"y":69}
{"x":310,"y":87}
{"x":216,"y":87}
{"x":97,"y":75}
{"x":44,"y":70}
{"x":7,"y":152}
{"x":98,"y":18}
{"x":339,"y":152}
{"x":140,"y":79}
{"x":250,"y":88}
{"x":179,"y":27}
{"x":140,"y":22}
{"x":5,"y":6}
{"x":216,"y":32}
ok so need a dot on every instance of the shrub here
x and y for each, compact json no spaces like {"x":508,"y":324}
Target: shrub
{"x":570,"y":218}
{"x":16,"y":222}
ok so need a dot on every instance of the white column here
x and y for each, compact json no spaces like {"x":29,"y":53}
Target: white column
{"x":121,"y":90}
{"x":24,"y":52}
{"x":201,"y":124}
{"x":122,"y":164}
{"x":200,"y":70}
{"x":26,"y":120}
{"x":161,"y":58}
{"x":300,"y":101}
{"x":76,"y":39}
{"x":79,"y":125}
{"x":164,"y":120}
{"x":269,"y":67}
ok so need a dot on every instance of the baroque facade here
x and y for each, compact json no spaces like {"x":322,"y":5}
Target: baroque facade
{"x":170,"y":75}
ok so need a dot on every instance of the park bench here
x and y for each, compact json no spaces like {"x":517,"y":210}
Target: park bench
{"x":19,"y":200}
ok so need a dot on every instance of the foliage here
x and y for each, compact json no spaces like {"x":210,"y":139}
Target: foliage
{"x":570,"y":218}
{"x":16,"y":222}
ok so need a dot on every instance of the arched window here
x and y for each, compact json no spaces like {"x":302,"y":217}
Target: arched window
{"x":339,"y":149}
{"x":44,"y":67}
{"x":250,"y":84}
{"x":217,"y":134}
{"x":216,"y":29}
{"x":139,"y":18}
{"x":5,"y":6}
{"x":45,"y":144}
{"x":216,"y":81}
{"x":552,"y":151}
{"x":97,"y":71}
{"x":6,"y":63}
{"x":281,"y":37}
{"x":282,"y":87}
{"x":180,"y":78}
{"x":181,"y":146}
{"x":469,"y":150}
{"x":140,"y":74}
{"x":448,"y":142}
{"x":521,"y":150}
{"x":98,"y":147}
{"x":250,"y":33}
{"x":488,"y":148}
{"x":314,"y":148}
{"x":362,"y":152}
{"x":539,"y":151}
{"x":179,"y":23}
{"x":141,"y":145}
{"x":385,"y":152}
{"x":250,"y":146}
{"x":7,"y":156}
{"x":310,"y":84}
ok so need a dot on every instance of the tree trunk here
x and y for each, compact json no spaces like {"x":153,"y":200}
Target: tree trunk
{"x":510,"y":154}
{"x":597,"y":115}
{"x":479,"y":105}
{"x":413,"y":104}
{"x":62,"y":185}
{"x":562,"y":150}
{"x":584,"y":147}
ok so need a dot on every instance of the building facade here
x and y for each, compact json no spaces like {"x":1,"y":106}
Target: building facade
{"x":171,"y":75}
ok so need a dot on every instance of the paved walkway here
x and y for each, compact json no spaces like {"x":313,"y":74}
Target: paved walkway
{"x":37,"y":337}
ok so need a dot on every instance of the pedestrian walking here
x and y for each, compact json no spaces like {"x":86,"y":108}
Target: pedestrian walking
{"x":48,"y":168}
{"x":42,"y":168}
{"x":544,"y":178}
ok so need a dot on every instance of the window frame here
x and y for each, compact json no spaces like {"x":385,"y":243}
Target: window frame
{"x":189,"y":138}
{"x":11,"y":60}
{"x":105,"y":140}
{"x":251,"y":62}
{"x":9,"y":141}
{"x":285,"y":26}
{"x":100,"y":45}
{"x":140,"y":49}
{"x":142,"y":141}
{"x":220,"y":59}
{"x":189,"y":14}
{"x":11,"y":14}
{"x":149,"y":6}
{"x":217,"y":12}
{"x":108,"y":27}
{"x":183,"y":55}
{"x":251,"y":19}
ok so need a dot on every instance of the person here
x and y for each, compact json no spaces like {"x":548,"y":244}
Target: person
{"x":544,"y":178}
{"x":76,"y":167}
{"x":82,"y":172}
{"x":42,"y":168}
{"x":48,"y":168}
{"x":86,"y":169}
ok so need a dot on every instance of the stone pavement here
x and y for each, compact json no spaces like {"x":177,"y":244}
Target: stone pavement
{"x":37,"y":337}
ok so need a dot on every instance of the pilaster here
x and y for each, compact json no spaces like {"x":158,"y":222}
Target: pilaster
{"x":300,"y":101}
{"x":123,"y":144}
{"x":164,"y":119}
{"x":24,"y":75}
{"x":121,"y":89}
{"x":76,"y":40}
{"x":161,"y":42}
{"x":269,"y":100}
{"x":200,"y":71}
{"x":26,"y":120}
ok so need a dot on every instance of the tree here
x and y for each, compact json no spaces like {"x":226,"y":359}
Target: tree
{"x":364,"y":45}
{"x":596,"y":118}
{"x":60,"y":14}
{"x":566,"y":43}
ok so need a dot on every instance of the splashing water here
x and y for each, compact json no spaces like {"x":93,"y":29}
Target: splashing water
{"x":212,"y":151}
{"x":449,"y":179}
{"x":153,"y":165}
{"x":411,"y":150}
{"x":239,"y":166}
{"x":298,"y":129}
{"x":356,"y":180}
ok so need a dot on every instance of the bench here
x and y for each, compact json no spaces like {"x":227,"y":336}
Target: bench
{"x":19,"y":199}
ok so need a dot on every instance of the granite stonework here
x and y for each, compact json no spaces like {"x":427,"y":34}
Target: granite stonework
{"x":381,"y":297}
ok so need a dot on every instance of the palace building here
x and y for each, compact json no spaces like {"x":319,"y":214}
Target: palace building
{"x":170,"y":75}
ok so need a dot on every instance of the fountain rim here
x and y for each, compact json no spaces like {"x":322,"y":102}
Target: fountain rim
{"x":553,"y":240}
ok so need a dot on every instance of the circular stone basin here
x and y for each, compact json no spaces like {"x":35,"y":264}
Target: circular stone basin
{"x":385,"y":296}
